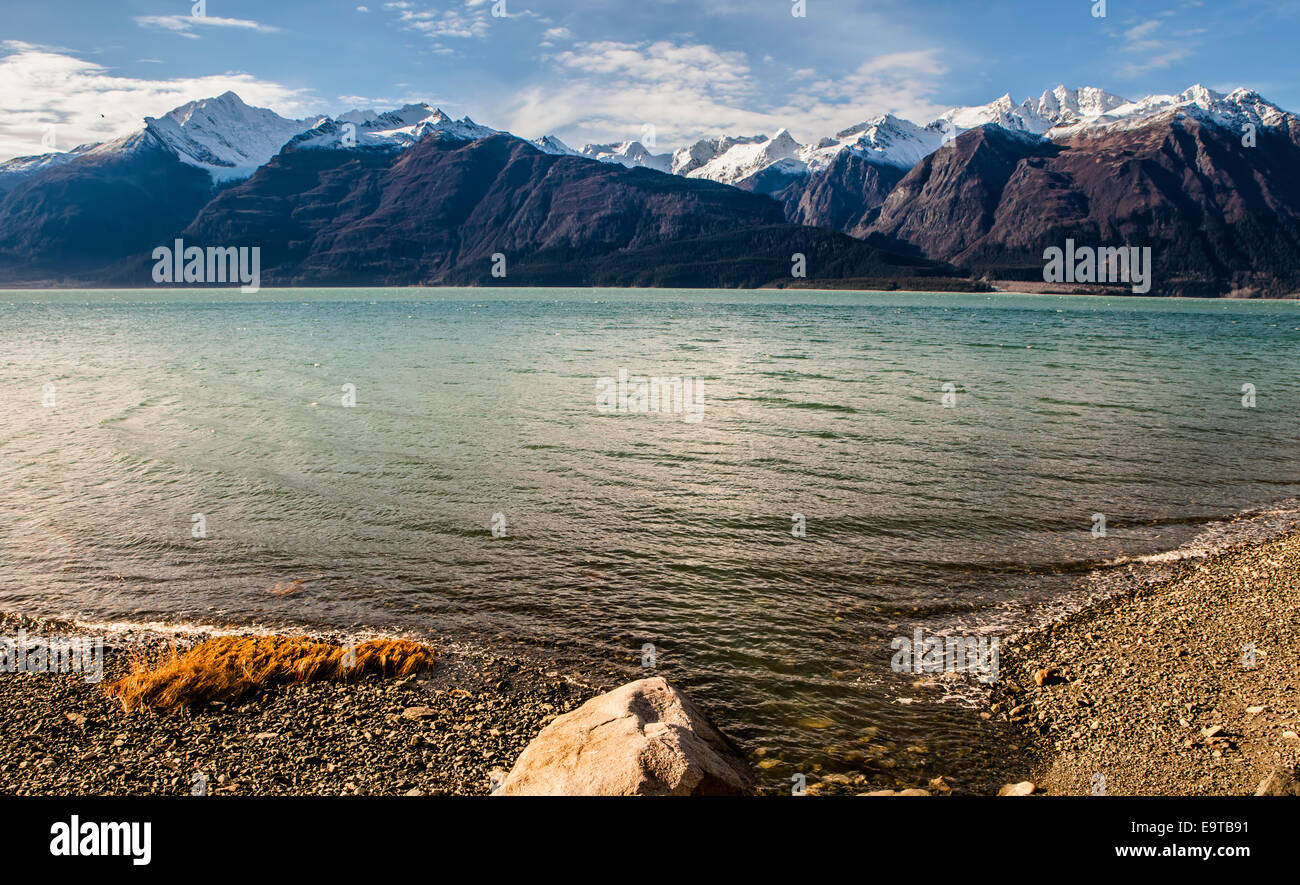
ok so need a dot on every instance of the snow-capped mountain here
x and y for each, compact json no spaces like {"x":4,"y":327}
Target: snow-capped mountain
{"x":224,"y":136}
{"x":628,"y":153}
{"x":397,"y":129}
{"x":1065,"y":107}
{"x":1056,"y":107}
{"x":549,"y":144}
{"x":230,"y":140}
{"x":744,"y":160}
{"x":1182,"y":174}
{"x":1003,"y":112}
{"x":979,"y":187}
{"x":887,"y":140}
{"x":892,"y":141}
{"x":1233,"y":110}
{"x":15,"y":170}
{"x":686,"y":160}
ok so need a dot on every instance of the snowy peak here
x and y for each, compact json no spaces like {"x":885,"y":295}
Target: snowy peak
{"x":397,"y":129}
{"x":1064,"y":106}
{"x":628,"y":153}
{"x":15,"y":170}
{"x":891,"y":141}
{"x":686,"y":160}
{"x":887,"y":140}
{"x":1004,"y":112}
{"x":225,"y":136}
{"x":749,"y":156}
{"x":1254,"y":106}
{"x":549,"y":144}
{"x":1234,"y":110}
{"x":230,"y":140}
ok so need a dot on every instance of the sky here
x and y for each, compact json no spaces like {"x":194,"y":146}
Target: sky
{"x":604,"y":70}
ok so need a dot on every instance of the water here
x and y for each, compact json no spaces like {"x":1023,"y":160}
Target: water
{"x":623,"y":530}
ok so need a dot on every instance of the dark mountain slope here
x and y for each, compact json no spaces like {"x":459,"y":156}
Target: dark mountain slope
{"x":125,"y":198}
{"x":439,"y":211}
{"x":843,"y":196}
{"x":1220,"y":217}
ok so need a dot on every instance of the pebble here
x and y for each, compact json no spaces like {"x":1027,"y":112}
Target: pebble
{"x":1024,"y":788}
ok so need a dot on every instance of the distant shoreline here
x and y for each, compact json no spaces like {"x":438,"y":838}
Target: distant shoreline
{"x":938,"y":285}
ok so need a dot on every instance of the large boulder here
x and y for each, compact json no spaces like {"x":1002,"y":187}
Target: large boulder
{"x":643,"y":739}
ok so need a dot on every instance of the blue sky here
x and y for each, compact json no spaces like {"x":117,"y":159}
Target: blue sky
{"x":599,"y":70}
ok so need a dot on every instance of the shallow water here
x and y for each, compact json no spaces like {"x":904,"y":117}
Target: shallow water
{"x":628,"y":529}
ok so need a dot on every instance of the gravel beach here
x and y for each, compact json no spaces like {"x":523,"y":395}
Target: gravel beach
{"x":1188,"y":685}
{"x":439,"y":732}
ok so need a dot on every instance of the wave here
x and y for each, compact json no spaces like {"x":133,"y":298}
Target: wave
{"x":1113,"y":577}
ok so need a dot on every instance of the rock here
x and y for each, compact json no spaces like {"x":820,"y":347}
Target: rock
{"x":940,"y":785}
{"x":1024,"y":788}
{"x":641,"y":739}
{"x":1050,"y":676}
{"x":910,"y":792}
{"x":1281,"y":782}
{"x":419,"y":713}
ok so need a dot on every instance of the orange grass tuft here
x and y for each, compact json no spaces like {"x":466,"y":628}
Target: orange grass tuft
{"x":228,"y":667}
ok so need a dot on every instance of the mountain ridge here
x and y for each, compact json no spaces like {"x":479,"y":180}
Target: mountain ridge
{"x":983,"y":198}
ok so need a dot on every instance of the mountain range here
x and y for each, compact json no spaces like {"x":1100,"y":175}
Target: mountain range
{"x":413,"y":196}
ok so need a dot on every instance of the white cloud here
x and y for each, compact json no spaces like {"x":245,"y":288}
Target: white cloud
{"x":663,"y":63}
{"x":1144,"y":49}
{"x":471,"y":21}
{"x":185,"y":25}
{"x":1137,"y":32}
{"x":41,"y":86}
{"x":440,"y":23}
{"x":608,"y":90}
{"x":379,"y":104}
{"x":1154,"y":61}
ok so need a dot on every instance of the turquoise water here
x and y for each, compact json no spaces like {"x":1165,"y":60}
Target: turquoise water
{"x":628,"y":529}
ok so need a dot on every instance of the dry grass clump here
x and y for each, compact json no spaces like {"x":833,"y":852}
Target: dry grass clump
{"x":228,"y":667}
